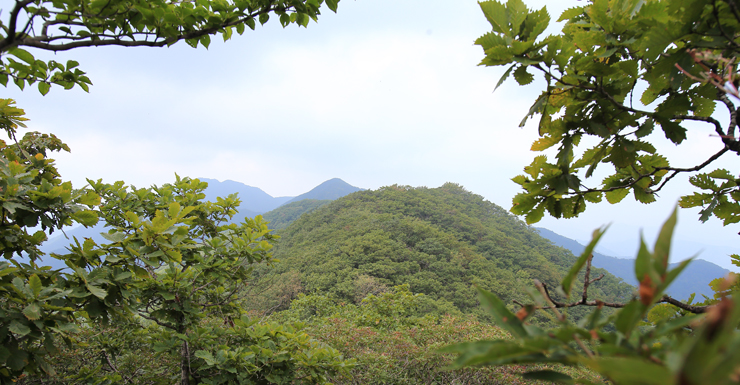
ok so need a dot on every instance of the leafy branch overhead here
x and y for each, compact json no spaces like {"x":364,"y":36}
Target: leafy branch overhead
{"x":64,"y":25}
{"x":619,"y":71}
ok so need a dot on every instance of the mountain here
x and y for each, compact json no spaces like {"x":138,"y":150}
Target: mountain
{"x":286,"y":214}
{"x":329,"y":190}
{"x":695,"y":279}
{"x":443,"y":242}
{"x":254,"y":202}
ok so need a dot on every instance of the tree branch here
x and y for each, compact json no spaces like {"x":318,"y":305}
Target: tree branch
{"x":158,"y":322}
{"x":12,"y":25}
{"x":42,"y":42}
{"x":585,"y":302}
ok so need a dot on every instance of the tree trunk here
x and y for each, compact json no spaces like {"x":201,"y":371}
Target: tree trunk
{"x":184,"y":366}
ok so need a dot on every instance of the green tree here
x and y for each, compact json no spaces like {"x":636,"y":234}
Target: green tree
{"x":169,"y":254}
{"x":619,"y":70}
{"x":682,"y":54}
{"x":37,"y":303}
{"x":65,"y":25}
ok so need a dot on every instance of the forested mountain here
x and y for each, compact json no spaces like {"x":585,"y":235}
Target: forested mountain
{"x":286,"y":214}
{"x":443,"y":242}
{"x":254,"y":202}
{"x":695,"y":279}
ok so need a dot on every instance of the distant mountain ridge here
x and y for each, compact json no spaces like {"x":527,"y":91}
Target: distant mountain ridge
{"x":330,"y":190}
{"x":695,"y":279}
{"x":254,"y":202}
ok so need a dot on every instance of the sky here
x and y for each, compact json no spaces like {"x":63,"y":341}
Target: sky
{"x":383,"y":92}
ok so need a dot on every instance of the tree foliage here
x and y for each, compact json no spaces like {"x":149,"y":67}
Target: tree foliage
{"x":443,"y":242}
{"x":619,"y":70}
{"x":65,"y":25}
{"x":174,"y":267}
{"x":685,"y":349}
{"x":681,"y":54}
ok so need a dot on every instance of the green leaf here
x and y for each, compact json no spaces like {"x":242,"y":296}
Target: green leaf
{"x":585,"y":256}
{"x":87,"y":218}
{"x":522,"y":76}
{"x":663,"y":243}
{"x":615,"y":196}
{"x":547,"y":375}
{"x":96,"y":291}
{"x":206,"y":356}
{"x":44,"y":87}
{"x":503,"y":316}
{"x":32,"y":311}
{"x":263,"y":18}
{"x":332,"y":4}
{"x":23,"y":55}
{"x":18,"y":360}
{"x":545,"y":142}
{"x":205,"y":41}
{"x":116,"y":237}
{"x":19,"y":328}
{"x":673,"y":131}
{"x":504,"y":77}
{"x":571,"y":13}
{"x":629,"y":370}
{"x":4,"y":354}
{"x":496,"y":14}
{"x":34,"y":283}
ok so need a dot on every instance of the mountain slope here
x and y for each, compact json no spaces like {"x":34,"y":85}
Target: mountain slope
{"x":253,"y":199}
{"x":254,"y":202}
{"x":695,"y":279}
{"x":286,"y":214}
{"x":443,"y":242}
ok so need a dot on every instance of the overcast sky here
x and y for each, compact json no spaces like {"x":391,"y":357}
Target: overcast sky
{"x":383,"y":92}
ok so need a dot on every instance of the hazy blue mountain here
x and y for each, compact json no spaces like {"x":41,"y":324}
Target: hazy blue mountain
{"x":254,"y":200}
{"x":695,"y":279}
{"x":330,"y":190}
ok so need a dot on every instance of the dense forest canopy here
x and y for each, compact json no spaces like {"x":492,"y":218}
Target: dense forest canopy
{"x":443,"y":242}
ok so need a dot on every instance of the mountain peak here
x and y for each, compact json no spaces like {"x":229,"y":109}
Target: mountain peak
{"x":329,"y":190}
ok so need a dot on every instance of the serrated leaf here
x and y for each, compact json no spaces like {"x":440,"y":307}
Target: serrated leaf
{"x":567,"y":283}
{"x":522,"y":76}
{"x":496,"y":14}
{"x":504,"y":77}
{"x":87,"y":218}
{"x":34,"y":282}
{"x":616,"y":196}
{"x":503,"y":316}
{"x":96,"y":291}
{"x":116,"y":237}
{"x":32,"y":311}
{"x":673,"y":131}
{"x":545,"y":142}
{"x":663,"y":243}
{"x":571,"y":13}
{"x":536,"y":214}
{"x":205,"y":356}
{"x":19,"y":328}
